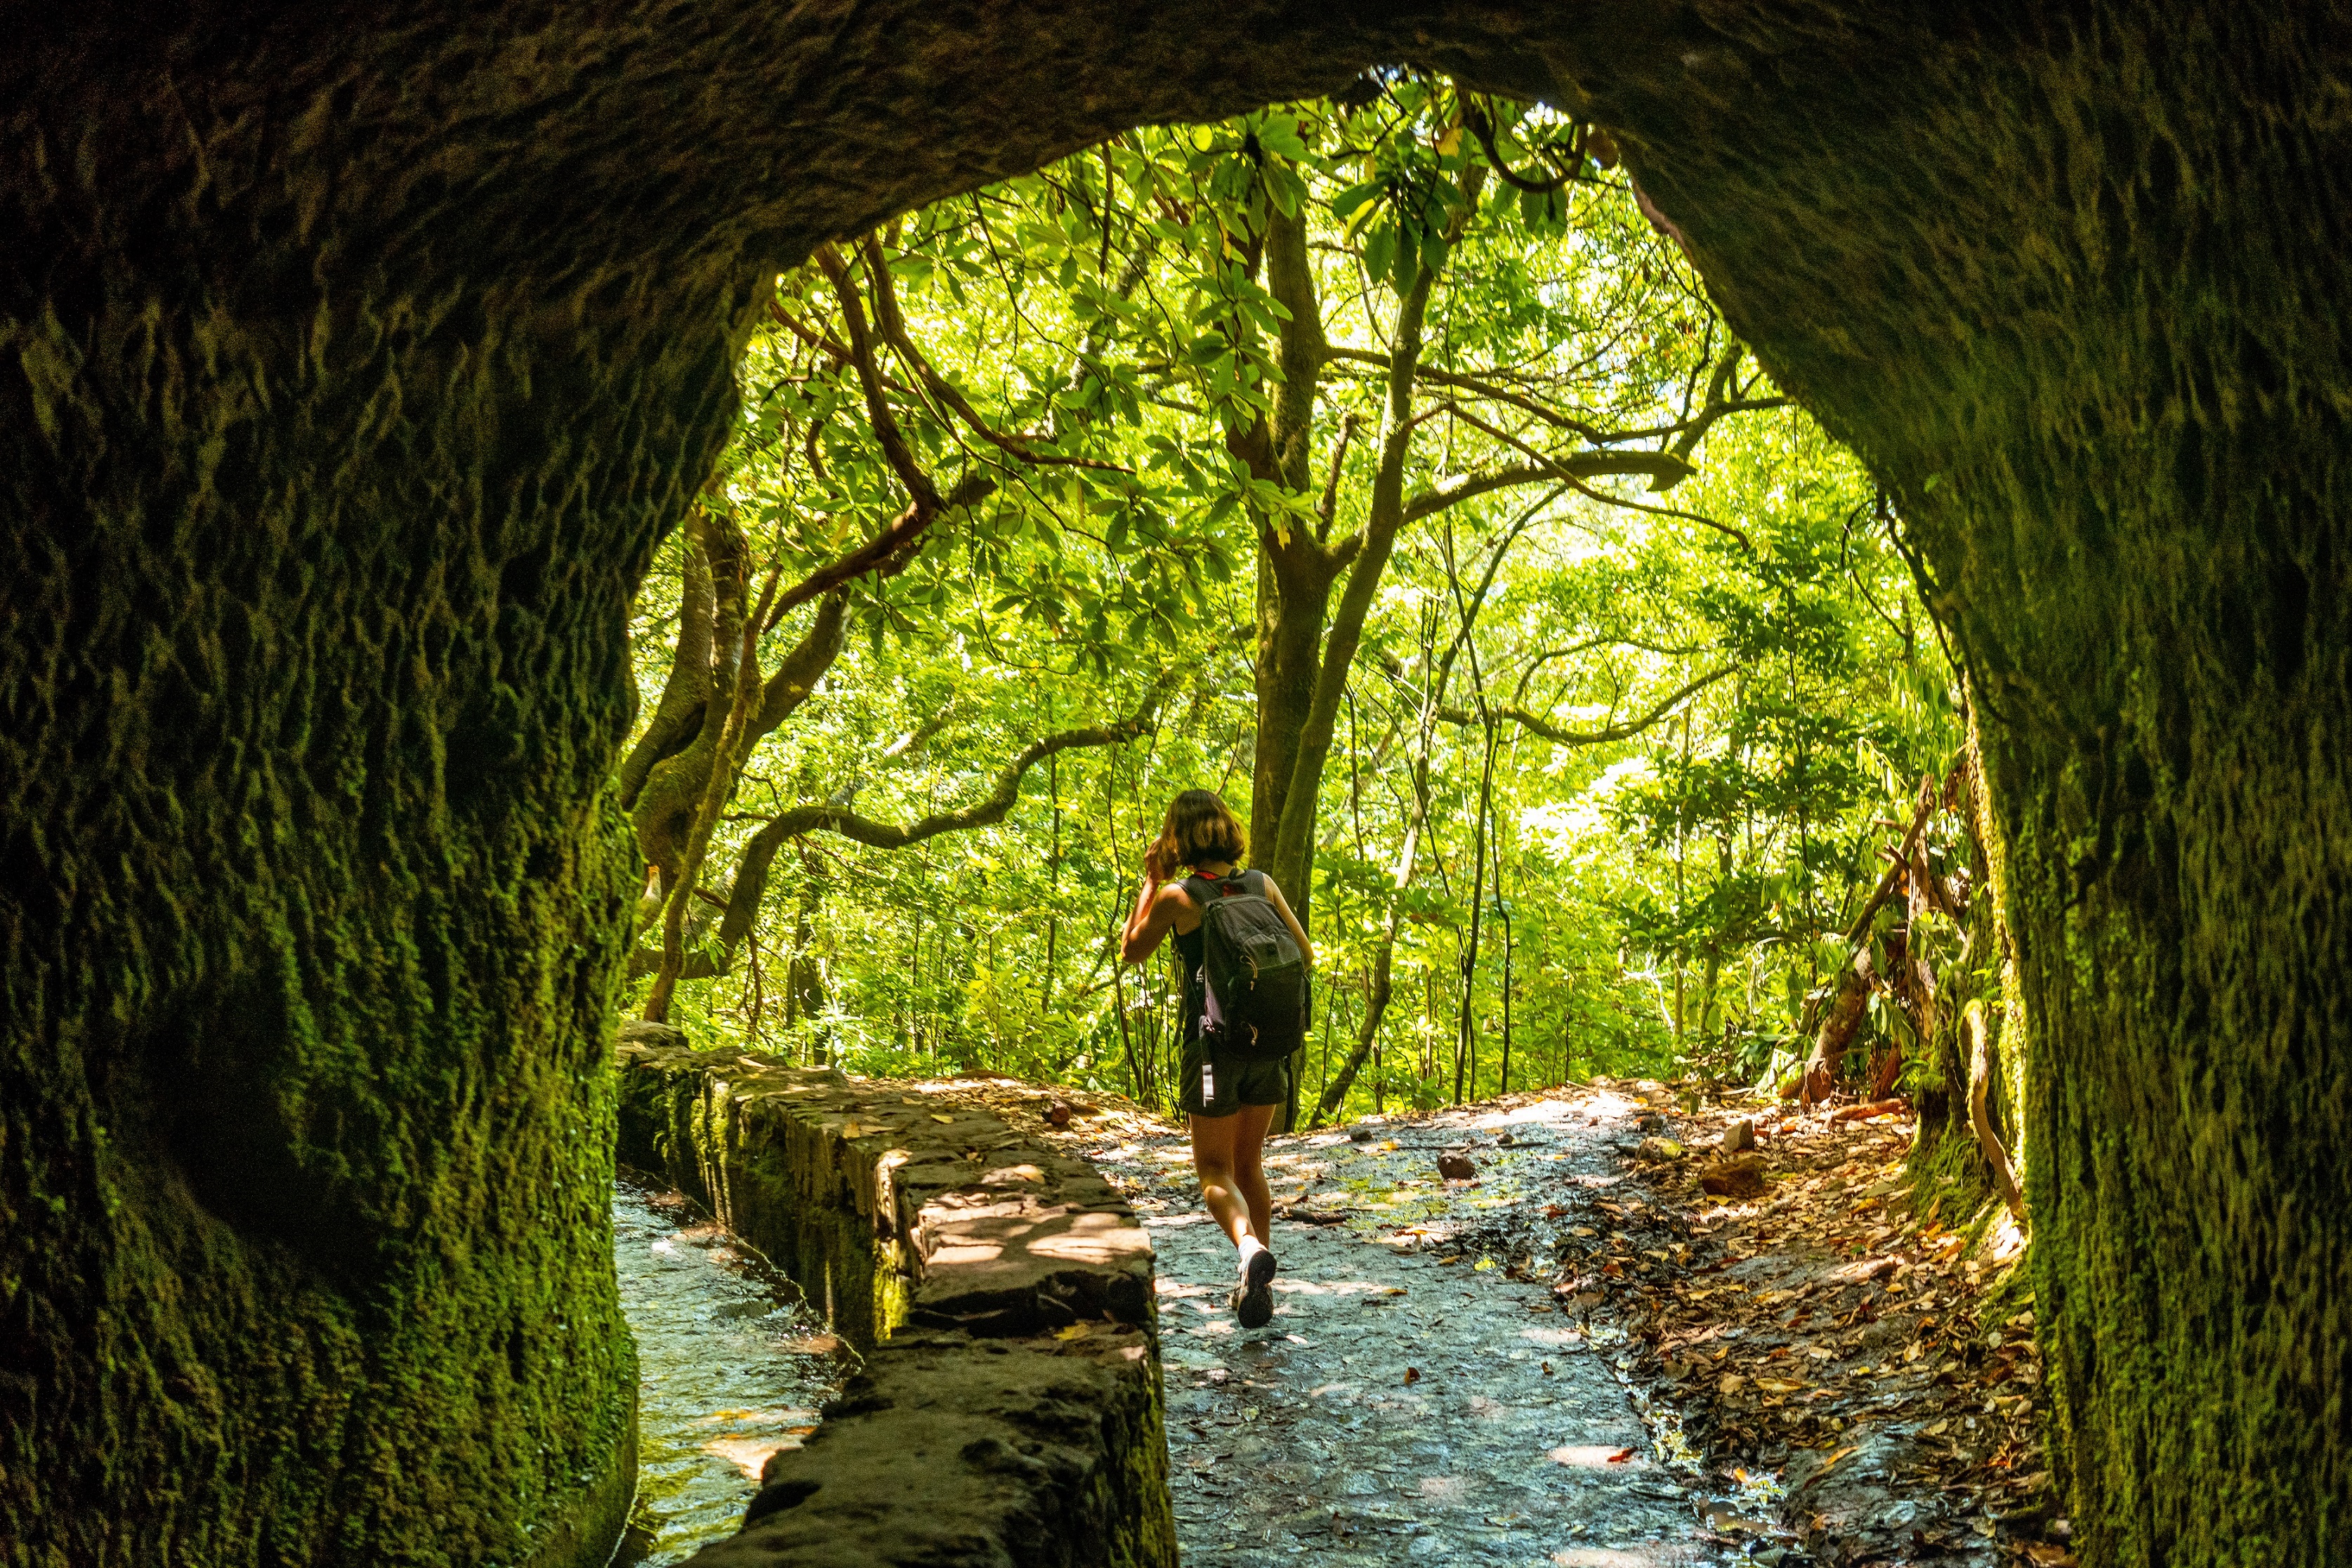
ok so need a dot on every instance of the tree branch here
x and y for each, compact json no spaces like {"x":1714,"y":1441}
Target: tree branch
{"x":1330,"y":503}
{"x":2004,"y":1174}
{"x":1485,"y":388}
{"x":823,"y":342}
{"x":1660,"y":467}
{"x":869,"y":377}
{"x":894,"y":327}
{"x":758,"y":853}
{"x":1475,"y":116}
{"x":686,"y":693}
{"x":1560,"y":736}
{"x":990,"y":808}
{"x":801,"y":668}
{"x":887,"y":552}
{"x":1582,"y":488}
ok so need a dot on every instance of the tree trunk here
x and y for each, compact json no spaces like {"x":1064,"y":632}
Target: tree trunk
{"x":1296,"y":568}
{"x":1465,"y":1047}
{"x":1841,"y":1021}
{"x":1843,"y":1017}
{"x":1502,"y":912}
{"x":1368,"y":1034}
{"x":1980,"y":1058}
{"x":1376,"y":1002}
{"x":1294,"y":604}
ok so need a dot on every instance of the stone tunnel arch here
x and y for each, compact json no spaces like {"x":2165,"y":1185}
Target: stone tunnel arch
{"x":350,"y":367}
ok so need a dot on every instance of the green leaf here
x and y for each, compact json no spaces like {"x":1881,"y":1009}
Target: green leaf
{"x":1349,"y":206}
{"x":1432,"y":250}
{"x":1279,"y":133}
{"x":1288,"y":190}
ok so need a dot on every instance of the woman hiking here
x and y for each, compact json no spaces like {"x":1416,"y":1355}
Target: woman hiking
{"x":1229,"y":1096}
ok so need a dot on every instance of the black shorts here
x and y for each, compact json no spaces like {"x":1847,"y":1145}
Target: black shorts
{"x":1236,"y":1081}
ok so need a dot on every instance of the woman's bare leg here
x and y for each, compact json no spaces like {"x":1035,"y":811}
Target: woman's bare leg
{"x":1249,"y":1166}
{"x":1213,"y":1158}
{"x":1229,"y":1153}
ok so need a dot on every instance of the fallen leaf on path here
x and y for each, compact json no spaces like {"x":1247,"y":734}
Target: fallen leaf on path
{"x":1621,"y":1456}
{"x":1412,"y":1374}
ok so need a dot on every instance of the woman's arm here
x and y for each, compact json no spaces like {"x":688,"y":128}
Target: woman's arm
{"x":1155,"y":912}
{"x":1297,"y":932}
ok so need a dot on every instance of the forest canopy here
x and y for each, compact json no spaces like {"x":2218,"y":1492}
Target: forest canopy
{"x":1379,"y":462}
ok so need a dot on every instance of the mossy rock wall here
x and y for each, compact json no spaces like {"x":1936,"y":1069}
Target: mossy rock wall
{"x":351,"y":364}
{"x":2041,"y":270}
{"x":1009,"y":1408}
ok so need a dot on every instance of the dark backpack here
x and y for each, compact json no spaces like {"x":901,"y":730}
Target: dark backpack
{"x":1253,"y":1002}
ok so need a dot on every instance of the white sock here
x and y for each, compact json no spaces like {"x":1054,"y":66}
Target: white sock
{"x":1249,"y":1245}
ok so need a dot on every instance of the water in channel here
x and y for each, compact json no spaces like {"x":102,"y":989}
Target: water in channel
{"x":731,"y":1368}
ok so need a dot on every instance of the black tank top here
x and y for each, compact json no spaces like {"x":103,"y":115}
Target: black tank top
{"x":1188,"y":957}
{"x":1187,"y":954}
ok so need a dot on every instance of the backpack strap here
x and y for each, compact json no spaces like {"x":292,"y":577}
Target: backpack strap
{"x":1204,"y":890}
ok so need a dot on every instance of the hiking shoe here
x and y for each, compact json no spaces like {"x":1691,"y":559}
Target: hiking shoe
{"x":1253,"y":1299}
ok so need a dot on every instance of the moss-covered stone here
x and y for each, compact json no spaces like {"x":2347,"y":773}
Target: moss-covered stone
{"x":1009,"y":1409}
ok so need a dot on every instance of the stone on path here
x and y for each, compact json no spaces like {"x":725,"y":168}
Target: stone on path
{"x":1742,"y":1175}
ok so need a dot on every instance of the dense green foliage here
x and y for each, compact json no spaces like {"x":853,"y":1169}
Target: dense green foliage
{"x":1615,"y":754}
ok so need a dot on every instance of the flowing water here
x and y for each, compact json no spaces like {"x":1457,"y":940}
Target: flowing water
{"x":732,"y":1366}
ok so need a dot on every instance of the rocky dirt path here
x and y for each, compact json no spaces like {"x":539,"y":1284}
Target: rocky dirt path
{"x":1421,"y":1392}
{"x":1824,"y":1323}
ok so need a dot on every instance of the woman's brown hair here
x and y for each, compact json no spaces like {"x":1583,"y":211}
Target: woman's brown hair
{"x":1201,"y":827}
